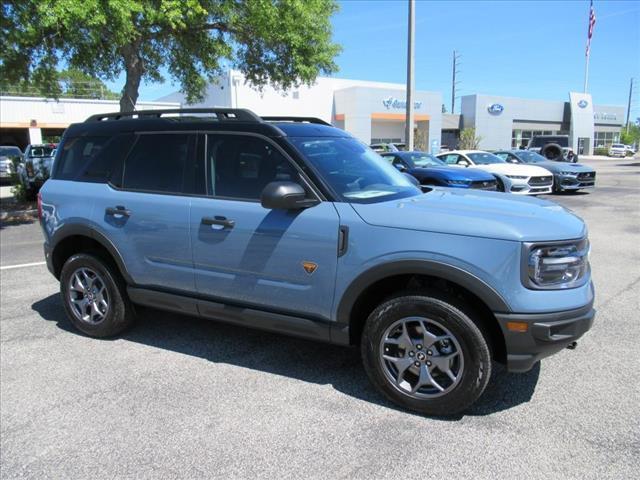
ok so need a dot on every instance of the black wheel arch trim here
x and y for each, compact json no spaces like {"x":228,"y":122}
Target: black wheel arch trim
{"x":78,"y":229}
{"x":475,"y":285}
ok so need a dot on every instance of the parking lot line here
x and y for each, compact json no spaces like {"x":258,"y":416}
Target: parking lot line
{"x":22,"y":265}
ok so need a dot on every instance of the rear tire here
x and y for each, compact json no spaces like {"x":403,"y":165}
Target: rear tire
{"x":94,"y":296}
{"x":424,"y":353}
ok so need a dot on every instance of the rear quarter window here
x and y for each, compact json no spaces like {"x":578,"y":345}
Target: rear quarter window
{"x":91,"y":158}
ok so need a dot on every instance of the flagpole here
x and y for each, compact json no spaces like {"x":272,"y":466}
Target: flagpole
{"x":586,"y":73}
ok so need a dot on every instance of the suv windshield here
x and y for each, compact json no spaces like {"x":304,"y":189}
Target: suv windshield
{"x":530,"y":157}
{"x":42,"y":151}
{"x":425,"y":160}
{"x":538,"y":142}
{"x":484,"y":158}
{"x":353,"y":171}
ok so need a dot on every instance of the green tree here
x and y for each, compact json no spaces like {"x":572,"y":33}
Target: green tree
{"x":632,"y":136}
{"x":68,"y":83}
{"x":282,"y":42}
{"x":468,"y":139}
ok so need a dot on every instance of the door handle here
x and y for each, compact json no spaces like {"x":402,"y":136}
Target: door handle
{"x":118,"y":211}
{"x":218,"y":220}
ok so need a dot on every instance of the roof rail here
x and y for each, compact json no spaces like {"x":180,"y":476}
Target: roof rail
{"x":222,"y":114}
{"x":319,"y":121}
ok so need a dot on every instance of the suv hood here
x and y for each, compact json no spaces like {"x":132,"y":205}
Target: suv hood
{"x":476,"y":213}
{"x":565,"y":167}
{"x":514,"y":169}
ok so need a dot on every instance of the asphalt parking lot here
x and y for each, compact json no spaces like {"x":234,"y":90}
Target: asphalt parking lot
{"x":178,"y":397}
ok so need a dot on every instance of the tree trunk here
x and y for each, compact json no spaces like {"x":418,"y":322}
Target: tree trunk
{"x":135,"y":68}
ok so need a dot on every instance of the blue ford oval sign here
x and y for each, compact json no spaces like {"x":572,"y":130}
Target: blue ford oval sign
{"x":583,"y":103}
{"x":495,"y":109}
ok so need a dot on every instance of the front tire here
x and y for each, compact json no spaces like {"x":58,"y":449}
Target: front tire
{"x":424,"y":353}
{"x":94,"y":296}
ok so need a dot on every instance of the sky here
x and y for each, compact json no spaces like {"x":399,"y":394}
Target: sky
{"x":511,"y":48}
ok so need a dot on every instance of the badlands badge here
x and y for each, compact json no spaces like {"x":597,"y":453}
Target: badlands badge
{"x":309,"y":267}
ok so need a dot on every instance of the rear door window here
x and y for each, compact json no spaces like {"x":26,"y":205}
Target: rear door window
{"x":164,"y":163}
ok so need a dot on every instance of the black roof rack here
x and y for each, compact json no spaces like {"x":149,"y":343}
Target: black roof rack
{"x":221,"y":114}
{"x":319,"y":121}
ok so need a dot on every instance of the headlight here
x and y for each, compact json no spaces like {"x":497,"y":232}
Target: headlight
{"x":458,"y":182}
{"x":556,"y":266}
{"x":517,"y":177}
{"x":568,"y":173}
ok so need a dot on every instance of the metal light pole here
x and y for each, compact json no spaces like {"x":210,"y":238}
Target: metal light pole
{"x":408,"y":133}
{"x":629,"y":104}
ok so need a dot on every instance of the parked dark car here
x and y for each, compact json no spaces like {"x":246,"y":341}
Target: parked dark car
{"x":566,"y":176}
{"x":429,"y":170}
{"x":553,"y":147}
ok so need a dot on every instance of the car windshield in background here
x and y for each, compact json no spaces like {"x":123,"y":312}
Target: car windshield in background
{"x":484,"y":158}
{"x":617,"y":145}
{"x":10,"y":152}
{"x":530,"y":157}
{"x":425,"y":160}
{"x":539,"y":142}
{"x":37,"y":152}
{"x":354,"y":171}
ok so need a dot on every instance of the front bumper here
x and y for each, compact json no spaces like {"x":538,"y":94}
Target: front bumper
{"x":575,"y":182}
{"x":547,"y":333}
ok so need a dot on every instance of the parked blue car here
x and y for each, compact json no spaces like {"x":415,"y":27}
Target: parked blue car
{"x":429,"y":170}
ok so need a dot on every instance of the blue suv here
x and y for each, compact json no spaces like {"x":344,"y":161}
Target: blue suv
{"x":291,"y":225}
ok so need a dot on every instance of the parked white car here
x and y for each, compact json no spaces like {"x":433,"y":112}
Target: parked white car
{"x":522,"y":179}
{"x":618,"y":150}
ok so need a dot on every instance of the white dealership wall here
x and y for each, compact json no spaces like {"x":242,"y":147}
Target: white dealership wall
{"x":365,"y":109}
{"x":32,"y":114}
{"x":495,"y":117}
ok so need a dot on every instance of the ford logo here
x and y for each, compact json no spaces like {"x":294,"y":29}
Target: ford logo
{"x":495,"y":109}
{"x":583,"y":103}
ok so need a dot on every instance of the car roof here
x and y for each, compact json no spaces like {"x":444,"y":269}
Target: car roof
{"x":204,"y":120}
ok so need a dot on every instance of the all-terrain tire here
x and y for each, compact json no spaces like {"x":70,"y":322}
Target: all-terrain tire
{"x":451,"y":314}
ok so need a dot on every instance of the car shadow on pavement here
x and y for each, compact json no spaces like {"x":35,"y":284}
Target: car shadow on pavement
{"x":304,"y":360}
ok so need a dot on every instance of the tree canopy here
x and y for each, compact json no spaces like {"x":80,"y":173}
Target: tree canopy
{"x":69,"y":83}
{"x":278,"y":42}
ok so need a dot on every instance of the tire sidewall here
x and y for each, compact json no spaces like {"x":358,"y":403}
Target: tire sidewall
{"x":477,"y":358}
{"x":117,"y":316}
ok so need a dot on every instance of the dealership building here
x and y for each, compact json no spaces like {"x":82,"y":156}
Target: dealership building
{"x":374,"y":112}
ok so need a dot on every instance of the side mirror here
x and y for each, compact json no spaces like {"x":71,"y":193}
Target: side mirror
{"x":463,"y":163}
{"x":285,"y":196}
{"x":400,"y":167}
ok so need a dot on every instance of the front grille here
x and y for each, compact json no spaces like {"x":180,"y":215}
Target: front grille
{"x":485,"y":185}
{"x":587,"y":176}
{"x":541,"y":181}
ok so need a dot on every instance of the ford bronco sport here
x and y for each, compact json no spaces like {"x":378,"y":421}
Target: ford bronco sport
{"x":294,"y":226}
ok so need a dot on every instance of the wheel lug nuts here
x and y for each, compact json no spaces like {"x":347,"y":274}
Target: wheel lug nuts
{"x":411,"y":354}
{"x":428,"y":364}
{"x":419,"y":347}
{"x":429,"y":352}
{"x":417,"y":364}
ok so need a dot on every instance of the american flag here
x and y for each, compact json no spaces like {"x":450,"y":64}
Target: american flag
{"x":592,"y":23}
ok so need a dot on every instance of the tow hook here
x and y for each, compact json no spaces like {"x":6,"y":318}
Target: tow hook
{"x":572,"y":345}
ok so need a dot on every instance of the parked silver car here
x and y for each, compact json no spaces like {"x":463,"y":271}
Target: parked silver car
{"x":7,"y":155}
{"x":566,"y":176}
